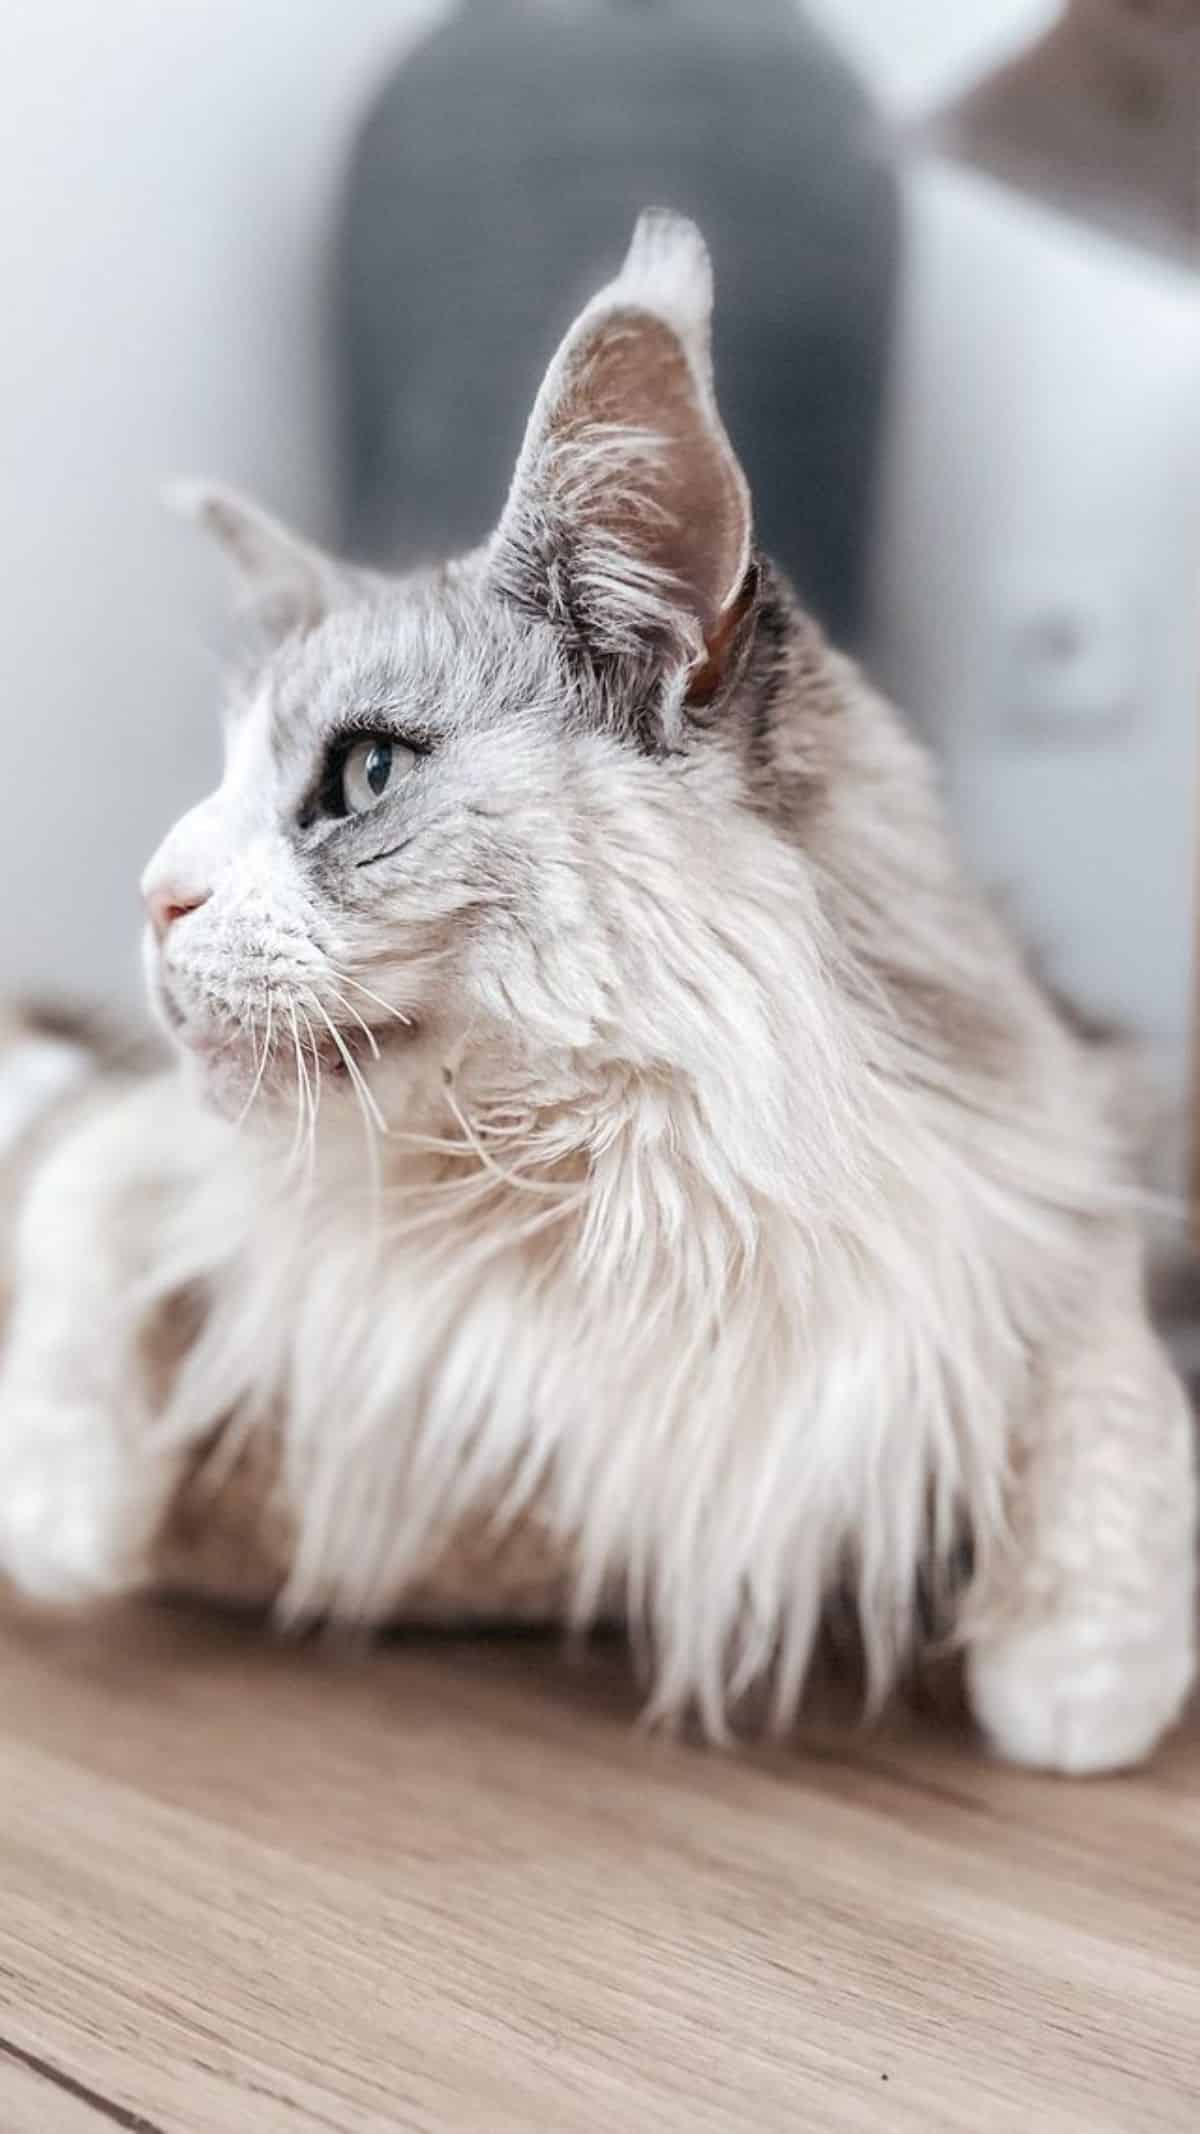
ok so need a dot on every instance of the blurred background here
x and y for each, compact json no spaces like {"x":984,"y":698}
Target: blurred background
{"x":324,"y":252}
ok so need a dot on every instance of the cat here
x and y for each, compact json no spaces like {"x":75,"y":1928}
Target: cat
{"x":601,"y":1103}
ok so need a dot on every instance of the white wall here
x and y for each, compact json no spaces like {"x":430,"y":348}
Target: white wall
{"x":1043,"y":474}
{"x":167,"y":173}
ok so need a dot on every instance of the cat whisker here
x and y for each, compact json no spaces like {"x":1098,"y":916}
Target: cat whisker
{"x":261,"y":1066}
{"x":467,"y":1150}
{"x":542,"y":1188}
{"x":431,"y":1144}
{"x":365,"y":1027}
{"x":303,"y":1092}
{"x":295,"y":1037}
{"x":314,"y":1049}
{"x":487,"y":1240}
{"x":388,"y":1006}
{"x":315,"y":1096}
{"x":373,"y":1119}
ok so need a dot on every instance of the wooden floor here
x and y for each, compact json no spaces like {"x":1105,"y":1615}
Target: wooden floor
{"x":246,"y":1888}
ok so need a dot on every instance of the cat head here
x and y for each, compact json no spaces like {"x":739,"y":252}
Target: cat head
{"x":460,"y":809}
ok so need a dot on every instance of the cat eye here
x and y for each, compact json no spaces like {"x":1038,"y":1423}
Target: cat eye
{"x":368,"y":769}
{"x":359,"y":772}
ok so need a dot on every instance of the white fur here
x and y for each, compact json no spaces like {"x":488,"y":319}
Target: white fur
{"x":38,"y":1072}
{"x":680,"y":1228}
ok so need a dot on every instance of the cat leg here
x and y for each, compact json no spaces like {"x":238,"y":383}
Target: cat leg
{"x":78,"y":1512}
{"x":1085,"y":1654}
{"x":82,"y":1490}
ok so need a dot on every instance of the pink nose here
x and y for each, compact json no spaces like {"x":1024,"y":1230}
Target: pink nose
{"x":165,"y":906}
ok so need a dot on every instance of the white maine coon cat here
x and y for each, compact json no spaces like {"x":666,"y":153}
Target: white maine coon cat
{"x":603,"y":1105}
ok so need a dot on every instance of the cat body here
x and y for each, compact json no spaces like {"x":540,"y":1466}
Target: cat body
{"x":607,"y":1117}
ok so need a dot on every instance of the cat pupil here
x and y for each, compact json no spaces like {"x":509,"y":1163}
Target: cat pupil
{"x":379,"y":766}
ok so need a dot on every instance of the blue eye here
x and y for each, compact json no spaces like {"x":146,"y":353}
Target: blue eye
{"x":359,"y":772}
{"x":369,"y":769}
{"x":367,"y":773}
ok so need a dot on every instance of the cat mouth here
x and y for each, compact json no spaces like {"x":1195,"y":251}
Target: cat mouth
{"x":296,"y":1039}
{"x":353,"y":1050}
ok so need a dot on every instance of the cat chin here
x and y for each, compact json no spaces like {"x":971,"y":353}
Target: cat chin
{"x":231,"y":1078}
{"x":223,"y":1080}
{"x":231,"y":1072}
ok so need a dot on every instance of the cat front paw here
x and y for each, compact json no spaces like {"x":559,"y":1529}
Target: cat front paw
{"x":1080,"y":1697}
{"x":77,"y":1507}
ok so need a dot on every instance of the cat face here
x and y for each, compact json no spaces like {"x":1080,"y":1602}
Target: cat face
{"x":456,"y":808}
{"x":399,"y":852}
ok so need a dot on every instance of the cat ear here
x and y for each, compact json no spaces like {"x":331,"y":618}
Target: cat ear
{"x":289,"y":584}
{"x":628,"y":522}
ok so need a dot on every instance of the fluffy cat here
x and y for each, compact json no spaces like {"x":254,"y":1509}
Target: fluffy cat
{"x":604,"y":1113}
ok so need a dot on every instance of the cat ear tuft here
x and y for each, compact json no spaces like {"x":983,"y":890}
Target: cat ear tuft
{"x":667,"y":271}
{"x":290,"y":585}
{"x":628,"y":522}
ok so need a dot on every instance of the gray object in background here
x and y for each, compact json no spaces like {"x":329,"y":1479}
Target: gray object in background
{"x":495,"y":183}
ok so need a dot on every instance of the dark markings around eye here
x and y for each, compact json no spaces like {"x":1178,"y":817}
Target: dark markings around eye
{"x":376,"y":858}
{"x":326,"y":796}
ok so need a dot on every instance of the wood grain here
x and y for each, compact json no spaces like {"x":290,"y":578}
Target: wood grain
{"x":447,"y":1886}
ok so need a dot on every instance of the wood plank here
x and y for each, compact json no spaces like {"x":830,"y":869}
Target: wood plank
{"x":37,"y":2099}
{"x":447,"y":1886}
